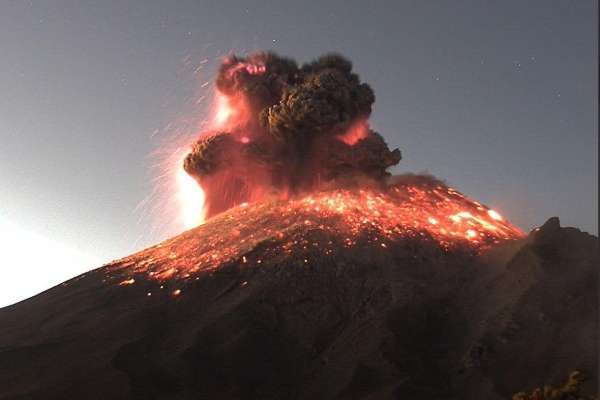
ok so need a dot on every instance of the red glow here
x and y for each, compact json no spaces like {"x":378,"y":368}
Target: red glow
{"x":224,"y":110}
{"x":252,"y":69}
{"x":230,"y":113}
{"x":215,"y":193}
{"x":425,"y":212}
{"x":356,"y":132}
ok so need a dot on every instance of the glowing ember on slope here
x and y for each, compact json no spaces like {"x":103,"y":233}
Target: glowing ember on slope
{"x":338,"y":218}
{"x":443,"y":213}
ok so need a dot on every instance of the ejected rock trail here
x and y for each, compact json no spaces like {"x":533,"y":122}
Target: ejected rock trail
{"x":418,"y":318}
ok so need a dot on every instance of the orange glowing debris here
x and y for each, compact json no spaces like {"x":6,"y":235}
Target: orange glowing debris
{"x":382,"y":218}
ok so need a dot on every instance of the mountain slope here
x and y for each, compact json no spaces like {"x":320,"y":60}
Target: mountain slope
{"x":278,"y":301}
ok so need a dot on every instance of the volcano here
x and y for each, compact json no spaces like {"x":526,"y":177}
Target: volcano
{"x":317,"y":275}
{"x":412,"y":292}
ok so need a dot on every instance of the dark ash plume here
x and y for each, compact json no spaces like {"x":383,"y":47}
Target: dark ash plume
{"x":291,"y":129}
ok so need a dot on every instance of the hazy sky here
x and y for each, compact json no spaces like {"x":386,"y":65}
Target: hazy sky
{"x":496,"y":97}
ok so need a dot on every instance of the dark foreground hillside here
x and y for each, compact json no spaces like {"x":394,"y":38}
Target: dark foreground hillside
{"x":406,"y":319}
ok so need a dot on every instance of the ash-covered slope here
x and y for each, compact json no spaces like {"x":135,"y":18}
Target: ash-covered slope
{"x":295,"y":300}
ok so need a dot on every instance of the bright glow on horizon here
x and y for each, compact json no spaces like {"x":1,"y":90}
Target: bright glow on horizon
{"x":32,"y":263}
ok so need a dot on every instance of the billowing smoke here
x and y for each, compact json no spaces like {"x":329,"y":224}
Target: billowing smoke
{"x":283,"y":128}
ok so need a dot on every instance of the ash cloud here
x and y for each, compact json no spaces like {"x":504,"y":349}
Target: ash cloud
{"x":287,"y":128}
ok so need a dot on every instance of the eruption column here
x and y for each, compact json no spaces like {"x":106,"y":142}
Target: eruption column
{"x":282,"y":129}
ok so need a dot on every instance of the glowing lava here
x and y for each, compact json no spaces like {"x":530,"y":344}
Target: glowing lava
{"x":440,"y":212}
{"x":320,"y":224}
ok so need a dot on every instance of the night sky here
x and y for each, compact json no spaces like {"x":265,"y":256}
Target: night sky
{"x":497,"y":98}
